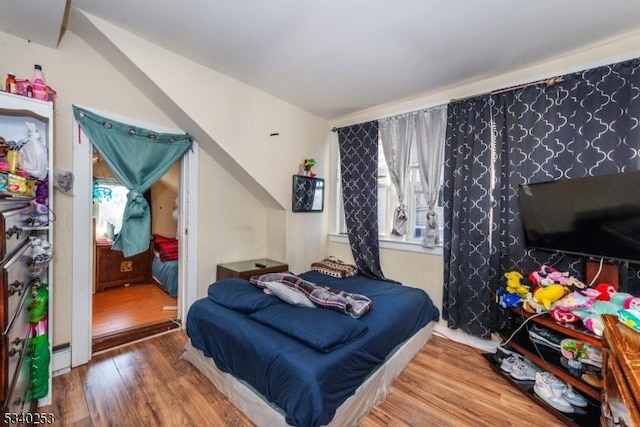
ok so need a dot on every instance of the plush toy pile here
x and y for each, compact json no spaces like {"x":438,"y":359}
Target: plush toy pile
{"x":567,"y":299}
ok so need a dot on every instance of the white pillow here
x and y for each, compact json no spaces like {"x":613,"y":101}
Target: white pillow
{"x":288,"y":294}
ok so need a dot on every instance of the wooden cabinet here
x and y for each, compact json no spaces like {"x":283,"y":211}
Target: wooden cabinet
{"x":25,"y":272}
{"x":14,"y":318}
{"x":113,"y":269}
{"x":246,"y":269}
{"x":621,"y":364}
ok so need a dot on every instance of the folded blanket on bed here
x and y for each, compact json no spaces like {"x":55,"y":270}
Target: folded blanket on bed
{"x":334,"y":267}
{"x":355,"y":305}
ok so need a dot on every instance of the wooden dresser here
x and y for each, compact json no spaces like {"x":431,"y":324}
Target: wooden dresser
{"x":113,"y":269}
{"x":15,"y":295}
{"x":621,"y":374}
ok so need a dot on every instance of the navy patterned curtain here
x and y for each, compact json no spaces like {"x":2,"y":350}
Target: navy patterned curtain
{"x":359,"y":169}
{"x":583,"y":126}
{"x":469,"y":205}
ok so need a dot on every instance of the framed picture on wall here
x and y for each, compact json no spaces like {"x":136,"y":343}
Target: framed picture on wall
{"x":307,"y":194}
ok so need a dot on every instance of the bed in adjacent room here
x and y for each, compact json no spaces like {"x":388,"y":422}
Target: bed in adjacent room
{"x":164,"y":266}
{"x":283,"y":364}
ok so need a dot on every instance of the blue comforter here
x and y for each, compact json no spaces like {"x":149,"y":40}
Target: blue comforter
{"x":306,"y":382}
{"x":166,"y":274}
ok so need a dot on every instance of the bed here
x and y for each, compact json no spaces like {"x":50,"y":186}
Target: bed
{"x":164,"y":266}
{"x":330,"y":373}
{"x":165,"y":274}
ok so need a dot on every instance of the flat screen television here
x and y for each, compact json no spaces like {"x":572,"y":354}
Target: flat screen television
{"x":596,"y":216}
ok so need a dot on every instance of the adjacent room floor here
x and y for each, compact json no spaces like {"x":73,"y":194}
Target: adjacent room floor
{"x":125,"y":313}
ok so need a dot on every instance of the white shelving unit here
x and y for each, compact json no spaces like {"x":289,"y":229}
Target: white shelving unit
{"x":15,"y":111}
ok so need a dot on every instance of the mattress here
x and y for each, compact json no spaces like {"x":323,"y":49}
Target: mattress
{"x":306,"y":383}
{"x":166,"y":275}
{"x":262,"y":413}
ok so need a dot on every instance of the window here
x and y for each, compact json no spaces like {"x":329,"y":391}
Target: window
{"x":108,"y":206}
{"x":419,"y":207}
{"x":388,"y":201}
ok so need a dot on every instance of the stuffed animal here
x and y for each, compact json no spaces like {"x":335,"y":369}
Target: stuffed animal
{"x":531,"y":306}
{"x":514,"y":284}
{"x":574,"y":284}
{"x":605,"y":290}
{"x":556,"y":277}
{"x":632,"y":303}
{"x":506,"y":299}
{"x":563,"y":315}
{"x":537,"y":277}
{"x":548,"y":294}
{"x":631,"y":318}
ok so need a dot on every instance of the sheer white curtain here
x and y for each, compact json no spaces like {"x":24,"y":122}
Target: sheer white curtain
{"x":431,"y":127}
{"x":397,"y":134}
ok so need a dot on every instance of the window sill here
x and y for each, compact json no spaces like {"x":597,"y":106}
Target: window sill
{"x":393,"y":245}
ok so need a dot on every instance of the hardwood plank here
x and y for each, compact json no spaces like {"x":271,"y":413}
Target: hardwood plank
{"x":106,"y":395}
{"x":204,"y":404}
{"x":146,"y":383}
{"x":70,"y":408}
{"x":155,"y":406}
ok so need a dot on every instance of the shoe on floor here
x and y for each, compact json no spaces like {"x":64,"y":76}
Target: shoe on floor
{"x":550,"y":389}
{"x":524,"y":371}
{"x":592,"y":379}
{"x":544,"y":336}
{"x":590,"y":354}
{"x":508,"y":363}
{"x":573,"y":397}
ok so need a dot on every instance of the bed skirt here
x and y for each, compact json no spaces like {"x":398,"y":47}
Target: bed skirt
{"x":264,"y":414}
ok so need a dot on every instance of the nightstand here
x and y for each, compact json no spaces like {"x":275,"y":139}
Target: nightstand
{"x":246,"y":269}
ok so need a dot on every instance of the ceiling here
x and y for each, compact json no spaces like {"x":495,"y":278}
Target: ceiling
{"x":336,"y":57}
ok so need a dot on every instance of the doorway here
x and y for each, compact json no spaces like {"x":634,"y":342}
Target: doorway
{"x":133,"y":297}
{"x":82,"y":254}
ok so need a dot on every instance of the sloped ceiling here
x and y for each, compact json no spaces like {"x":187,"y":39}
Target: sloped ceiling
{"x":39,"y":21}
{"x":333,"y":58}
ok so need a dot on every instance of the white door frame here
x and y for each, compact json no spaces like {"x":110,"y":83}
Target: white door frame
{"x":82,"y":270}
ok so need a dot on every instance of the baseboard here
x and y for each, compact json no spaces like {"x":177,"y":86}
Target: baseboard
{"x":462,"y":337}
{"x":117,"y":339}
{"x":61,"y":361}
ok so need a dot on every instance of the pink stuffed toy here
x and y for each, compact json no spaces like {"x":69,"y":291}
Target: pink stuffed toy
{"x":632,"y":303}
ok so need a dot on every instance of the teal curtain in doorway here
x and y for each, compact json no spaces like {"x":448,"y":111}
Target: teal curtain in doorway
{"x":138,"y":158}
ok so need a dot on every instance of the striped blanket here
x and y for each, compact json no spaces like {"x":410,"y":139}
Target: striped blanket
{"x":355,"y":305}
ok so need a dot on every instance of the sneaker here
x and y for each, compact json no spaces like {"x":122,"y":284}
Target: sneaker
{"x":543,"y":336}
{"x":591,"y":355}
{"x":524,"y":371}
{"x":573,"y":397}
{"x":508,"y":363}
{"x":550,"y":389}
{"x":594,"y":380}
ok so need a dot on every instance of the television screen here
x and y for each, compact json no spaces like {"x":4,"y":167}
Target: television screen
{"x":596,"y":216}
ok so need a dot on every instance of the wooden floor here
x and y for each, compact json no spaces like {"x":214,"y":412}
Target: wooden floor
{"x":146,"y":384}
{"x":125,"y":307}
